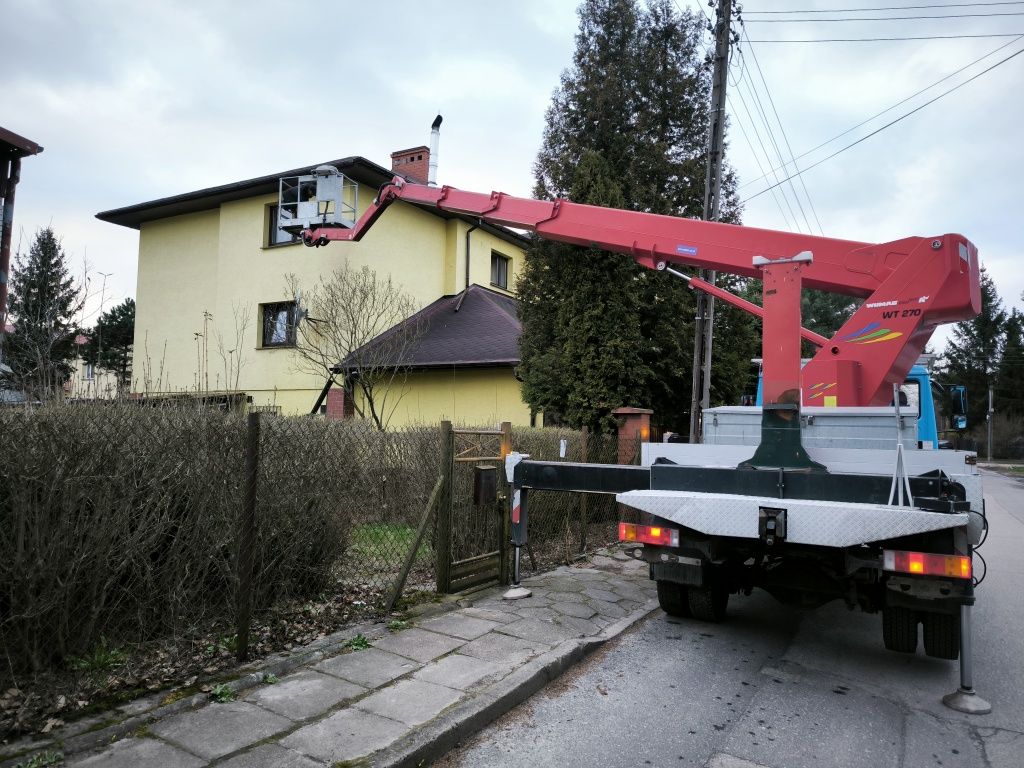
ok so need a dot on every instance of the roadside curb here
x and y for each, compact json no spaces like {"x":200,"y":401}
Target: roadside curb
{"x":439,"y":736}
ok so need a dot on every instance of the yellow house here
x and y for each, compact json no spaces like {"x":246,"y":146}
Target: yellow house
{"x":214,"y":315}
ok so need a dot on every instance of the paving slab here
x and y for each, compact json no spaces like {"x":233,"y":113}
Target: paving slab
{"x":412,"y":702}
{"x":596,"y":593}
{"x":370,"y":668}
{"x":130,"y":753}
{"x":270,"y":756}
{"x":347,"y":735}
{"x":304,"y":695}
{"x":579,"y":627}
{"x":220,"y":729}
{"x":535,"y":629}
{"x":460,"y":624}
{"x":499,"y":617}
{"x":418,"y":644}
{"x":458,"y":671}
{"x":579,"y":610}
{"x":497,"y":647}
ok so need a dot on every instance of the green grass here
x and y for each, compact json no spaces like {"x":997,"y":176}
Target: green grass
{"x":222,"y":693}
{"x":375,"y":540}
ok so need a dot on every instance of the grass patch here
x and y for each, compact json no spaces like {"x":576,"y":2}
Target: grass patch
{"x":397,"y":625}
{"x":357,"y":643}
{"x":222,"y":693}
{"x":373,"y":540}
{"x":41,"y":760}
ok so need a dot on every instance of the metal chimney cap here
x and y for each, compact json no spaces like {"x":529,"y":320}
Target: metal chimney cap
{"x":436,"y":124}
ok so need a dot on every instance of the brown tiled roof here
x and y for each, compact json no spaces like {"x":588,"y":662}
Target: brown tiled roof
{"x":483,"y":332}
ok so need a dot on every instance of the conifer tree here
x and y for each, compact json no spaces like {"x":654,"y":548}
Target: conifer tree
{"x":43,"y":300}
{"x":1009,"y":387}
{"x":973,"y":352}
{"x":626,"y":128}
{"x":110,"y":342}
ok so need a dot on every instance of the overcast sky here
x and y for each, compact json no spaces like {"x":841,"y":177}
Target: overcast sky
{"x":136,"y":101}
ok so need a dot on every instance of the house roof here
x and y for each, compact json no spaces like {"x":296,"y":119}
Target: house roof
{"x":476,"y":328}
{"x":358,"y":168}
{"x":13,"y":145}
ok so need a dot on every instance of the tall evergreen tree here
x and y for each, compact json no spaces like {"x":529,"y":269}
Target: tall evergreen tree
{"x":627,"y":128}
{"x":1009,"y":387}
{"x":110,"y":342}
{"x":973,"y":352}
{"x":43,"y":300}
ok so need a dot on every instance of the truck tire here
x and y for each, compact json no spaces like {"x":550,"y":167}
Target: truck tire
{"x":941,"y":635}
{"x":708,"y":603}
{"x":899,"y":630}
{"x":673,"y":599}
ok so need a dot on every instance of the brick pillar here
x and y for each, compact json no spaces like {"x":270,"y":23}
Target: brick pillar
{"x":336,"y":403}
{"x":634,"y":428}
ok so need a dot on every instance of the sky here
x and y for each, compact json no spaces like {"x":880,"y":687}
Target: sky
{"x":137,"y":101}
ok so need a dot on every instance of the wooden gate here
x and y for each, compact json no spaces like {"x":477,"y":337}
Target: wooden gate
{"x":472,"y":539}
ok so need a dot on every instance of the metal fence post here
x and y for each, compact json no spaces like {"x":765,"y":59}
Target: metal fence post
{"x":505,"y":526}
{"x":247,"y":537}
{"x":584,"y":458}
{"x":444,"y":509}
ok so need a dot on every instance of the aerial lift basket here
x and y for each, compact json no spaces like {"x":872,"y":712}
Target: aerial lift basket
{"x":324,"y":198}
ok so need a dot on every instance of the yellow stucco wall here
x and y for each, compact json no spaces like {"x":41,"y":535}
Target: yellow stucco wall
{"x":200,"y":273}
{"x":469,"y":396}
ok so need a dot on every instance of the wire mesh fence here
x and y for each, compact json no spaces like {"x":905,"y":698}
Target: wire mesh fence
{"x":128,"y":560}
{"x":564,"y":526}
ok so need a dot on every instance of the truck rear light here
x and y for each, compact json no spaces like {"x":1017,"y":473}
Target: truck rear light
{"x":649,"y":534}
{"x":925,"y":564}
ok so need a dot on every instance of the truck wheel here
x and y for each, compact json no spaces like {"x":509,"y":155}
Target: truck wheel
{"x":941,"y":635}
{"x":673,"y":599}
{"x":708,"y":603}
{"x":899,"y":630}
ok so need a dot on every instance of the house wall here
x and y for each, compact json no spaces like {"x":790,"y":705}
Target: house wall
{"x":203,"y":274}
{"x":468,"y":396}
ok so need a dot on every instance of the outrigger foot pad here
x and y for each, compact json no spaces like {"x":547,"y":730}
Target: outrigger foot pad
{"x":967,"y":701}
{"x":517,"y":592}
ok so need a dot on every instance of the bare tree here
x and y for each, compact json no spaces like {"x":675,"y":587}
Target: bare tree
{"x":362,"y":328}
{"x":230,"y":349}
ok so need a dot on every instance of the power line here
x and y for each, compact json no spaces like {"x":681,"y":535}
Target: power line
{"x":887,"y":39}
{"x":887,"y":8}
{"x":796,"y":224}
{"x":760,"y":167}
{"x":890,"y":107}
{"x":889,"y":18}
{"x":898,"y":119}
{"x":785,"y":138}
{"x":771,"y":138}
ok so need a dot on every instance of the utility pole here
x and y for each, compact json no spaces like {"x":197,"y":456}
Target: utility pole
{"x":988,"y":418}
{"x":703,"y":328}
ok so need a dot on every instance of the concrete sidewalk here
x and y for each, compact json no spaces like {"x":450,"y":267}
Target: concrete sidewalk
{"x":411,"y":695}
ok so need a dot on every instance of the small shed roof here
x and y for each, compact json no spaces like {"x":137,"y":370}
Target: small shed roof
{"x":480,"y":331}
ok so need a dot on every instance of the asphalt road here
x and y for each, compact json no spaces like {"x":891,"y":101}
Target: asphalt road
{"x":775,"y":687}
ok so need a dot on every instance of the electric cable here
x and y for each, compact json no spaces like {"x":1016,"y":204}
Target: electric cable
{"x":888,"y":39}
{"x":785,"y":138}
{"x":767,"y":156}
{"x":887,"y":8}
{"x":893,"y":122}
{"x":997,"y":14}
{"x":892,"y":106}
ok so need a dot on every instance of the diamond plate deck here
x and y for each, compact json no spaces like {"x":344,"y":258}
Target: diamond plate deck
{"x":823,"y":523}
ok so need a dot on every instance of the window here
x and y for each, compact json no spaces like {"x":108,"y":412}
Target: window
{"x":277,"y":236}
{"x":279,"y":324}
{"x":90,"y":371}
{"x":499,"y":270}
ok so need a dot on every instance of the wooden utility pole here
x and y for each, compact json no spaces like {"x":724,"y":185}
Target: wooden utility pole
{"x":703,"y":328}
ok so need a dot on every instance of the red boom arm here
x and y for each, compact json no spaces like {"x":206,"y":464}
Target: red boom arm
{"x":910,"y":286}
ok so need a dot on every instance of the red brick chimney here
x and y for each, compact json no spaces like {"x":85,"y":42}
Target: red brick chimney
{"x":412,"y":163}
